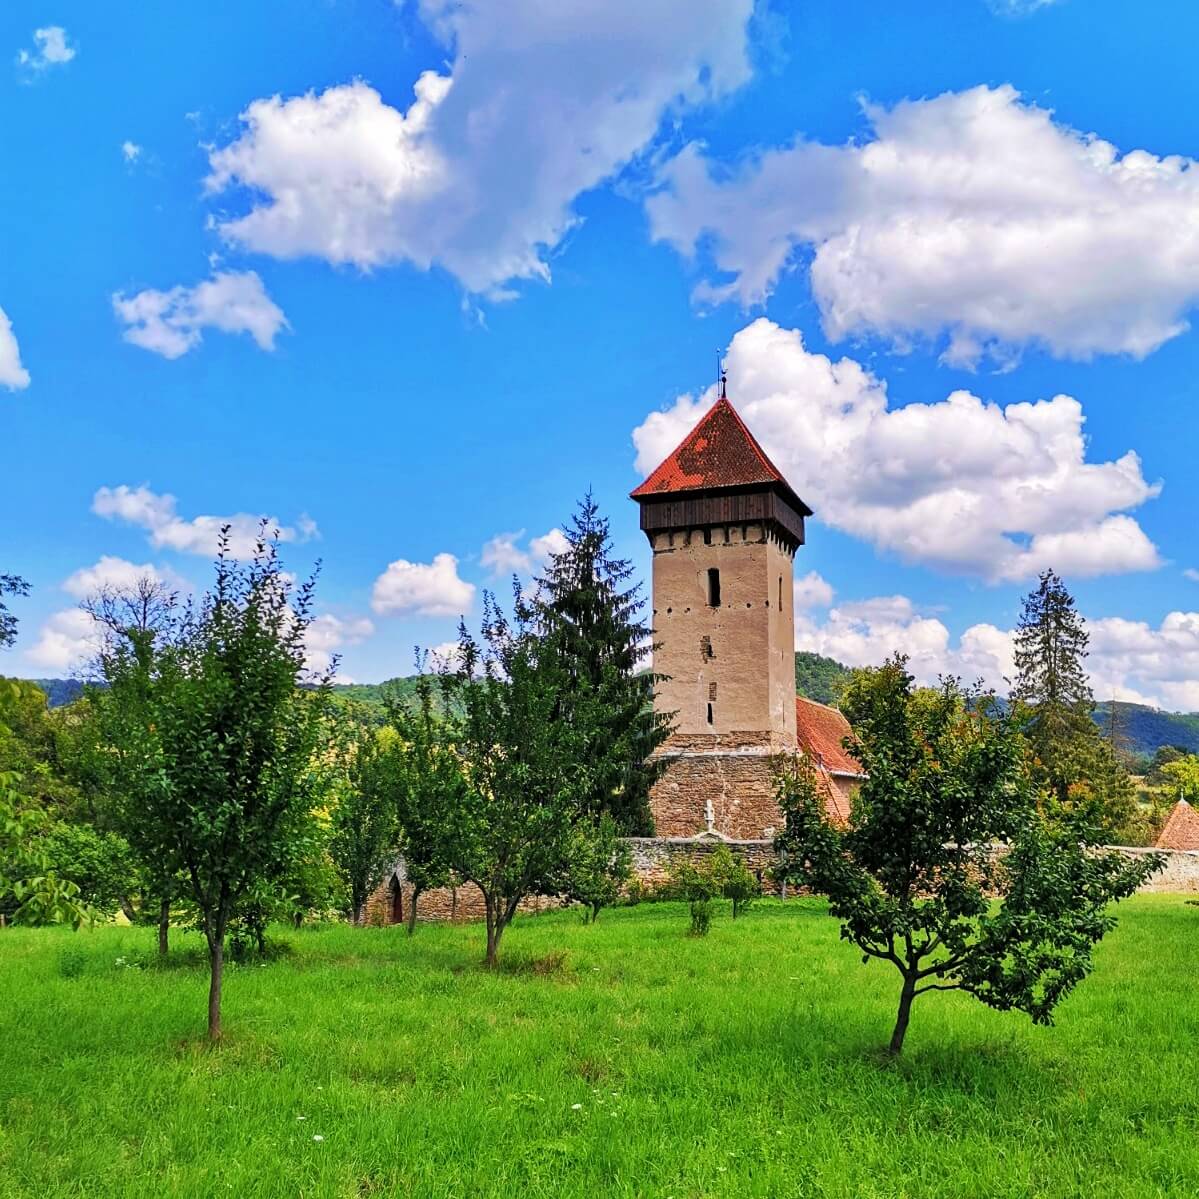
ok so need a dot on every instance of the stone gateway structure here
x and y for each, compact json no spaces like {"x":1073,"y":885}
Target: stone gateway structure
{"x":724,"y":526}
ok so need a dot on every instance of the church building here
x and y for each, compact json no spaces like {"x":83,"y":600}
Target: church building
{"x":724,"y":526}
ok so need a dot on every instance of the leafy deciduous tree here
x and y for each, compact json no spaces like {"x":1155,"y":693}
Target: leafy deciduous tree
{"x":9,"y":585}
{"x":599,"y":864}
{"x":364,"y":836}
{"x":916,"y":878}
{"x":216,"y":743}
{"x":527,"y":778}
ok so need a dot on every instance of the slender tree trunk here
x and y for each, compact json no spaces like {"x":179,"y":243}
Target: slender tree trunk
{"x":128,"y":908}
{"x":164,"y":927}
{"x":595,"y":911}
{"x":493,"y":936}
{"x":359,"y":911}
{"x":412,"y":910}
{"x":216,"y":961}
{"x":453,"y":903}
{"x":901,"y":1020}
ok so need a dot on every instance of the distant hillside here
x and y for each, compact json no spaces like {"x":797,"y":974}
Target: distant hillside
{"x":1144,"y":730}
{"x":819,"y":678}
{"x":60,"y":691}
{"x":1141,"y":729}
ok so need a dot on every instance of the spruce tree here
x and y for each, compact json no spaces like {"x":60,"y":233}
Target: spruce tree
{"x":593,"y":617}
{"x":1052,"y":697}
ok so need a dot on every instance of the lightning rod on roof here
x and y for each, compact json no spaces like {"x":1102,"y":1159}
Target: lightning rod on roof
{"x":721,"y":374}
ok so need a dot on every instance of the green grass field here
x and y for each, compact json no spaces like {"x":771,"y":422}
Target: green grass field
{"x":645,"y":1063}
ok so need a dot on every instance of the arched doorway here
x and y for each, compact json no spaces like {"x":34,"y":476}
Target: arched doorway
{"x":396,"y":895}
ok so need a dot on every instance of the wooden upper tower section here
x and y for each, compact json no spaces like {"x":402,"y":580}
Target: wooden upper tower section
{"x":720,"y":475}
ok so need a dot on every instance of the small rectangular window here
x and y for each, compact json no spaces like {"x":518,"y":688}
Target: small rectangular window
{"x":780,"y":593}
{"x":713,"y":587}
{"x":709,"y":713}
{"x":712,"y":692}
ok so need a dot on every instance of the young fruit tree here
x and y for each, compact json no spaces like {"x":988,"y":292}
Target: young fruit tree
{"x":598,"y":866}
{"x":363,"y":834}
{"x":947,"y":868}
{"x":527,"y":777}
{"x":217,"y":744}
{"x":427,"y":789}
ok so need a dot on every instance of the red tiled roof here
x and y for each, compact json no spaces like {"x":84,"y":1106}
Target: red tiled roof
{"x":1182,"y":828}
{"x":719,"y":452}
{"x":820,"y":730}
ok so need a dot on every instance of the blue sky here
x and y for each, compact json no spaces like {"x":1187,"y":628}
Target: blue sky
{"x":245,"y":265}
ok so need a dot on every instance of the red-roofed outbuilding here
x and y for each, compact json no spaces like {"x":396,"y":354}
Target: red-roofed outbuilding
{"x":821,"y":732}
{"x":1182,"y":828}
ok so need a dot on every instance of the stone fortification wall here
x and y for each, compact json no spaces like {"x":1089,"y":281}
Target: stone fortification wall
{"x":440,"y":903}
{"x":738,"y":784}
{"x":653,"y":858}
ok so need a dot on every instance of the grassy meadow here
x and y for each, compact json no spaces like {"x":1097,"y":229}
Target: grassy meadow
{"x":616,"y":1060}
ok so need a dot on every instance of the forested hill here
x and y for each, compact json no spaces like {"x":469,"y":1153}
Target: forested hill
{"x":819,"y":678}
{"x":1142,"y":730}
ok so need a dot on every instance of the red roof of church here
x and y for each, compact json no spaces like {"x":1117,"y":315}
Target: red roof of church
{"x":820,"y":731}
{"x":1182,"y":828}
{"x":719,"y":452}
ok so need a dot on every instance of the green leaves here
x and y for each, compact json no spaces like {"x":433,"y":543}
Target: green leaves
{"x":948,"y":868}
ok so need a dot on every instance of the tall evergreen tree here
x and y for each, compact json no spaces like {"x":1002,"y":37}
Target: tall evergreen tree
{"x":593,"y":617}
{"x":1052,"y":696}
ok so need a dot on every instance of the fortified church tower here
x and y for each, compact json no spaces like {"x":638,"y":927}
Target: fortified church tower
{"x":724,"y":526}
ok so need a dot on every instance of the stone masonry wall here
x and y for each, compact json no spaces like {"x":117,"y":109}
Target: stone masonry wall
{"x":653,"y":858}
{"x":739,"y":784}
{"x":440,"y":903}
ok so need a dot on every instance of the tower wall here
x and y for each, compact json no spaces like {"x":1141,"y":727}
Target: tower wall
{"x":731,"y":666}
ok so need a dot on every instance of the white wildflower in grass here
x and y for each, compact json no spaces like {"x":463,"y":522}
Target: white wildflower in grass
{"x":301,"y":1117}
{"x":576,"y":1107}
{"x":318,"y":1137}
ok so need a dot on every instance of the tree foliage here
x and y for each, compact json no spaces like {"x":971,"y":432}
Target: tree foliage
{"x":528,"y":781}
{"x":598,"y":866}
{"x":1181,"y":775}
{"x":429,"y":791}
{"x":918,"y":878}
{"x":31,"y":890}
{"x":593,"y":621}
{"x":216,"y":747}
{"x":363,"y":836}
{"x":11,"y":585}
{"x":1071,"y":759}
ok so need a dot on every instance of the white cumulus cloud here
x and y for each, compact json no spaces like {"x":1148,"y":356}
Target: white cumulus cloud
{"x":425,"y":588}
{"x":479,"y":175}
{"x":867,"y":632}
{"x":12,"y":374}
{"x":327,"y":634}
{"x":131,"y":152}
{"x":1129,"y":660}
{"x":66,"y":641}
{"x":157,"y":514}
{"x":503,"y":555}
{"x":118,"y":574}
{"x":812,"y":591}
{"x":50,"y":49}
{"x":960,"y":485}
{"x":973,"y":215}
{"x":172,"y":322}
